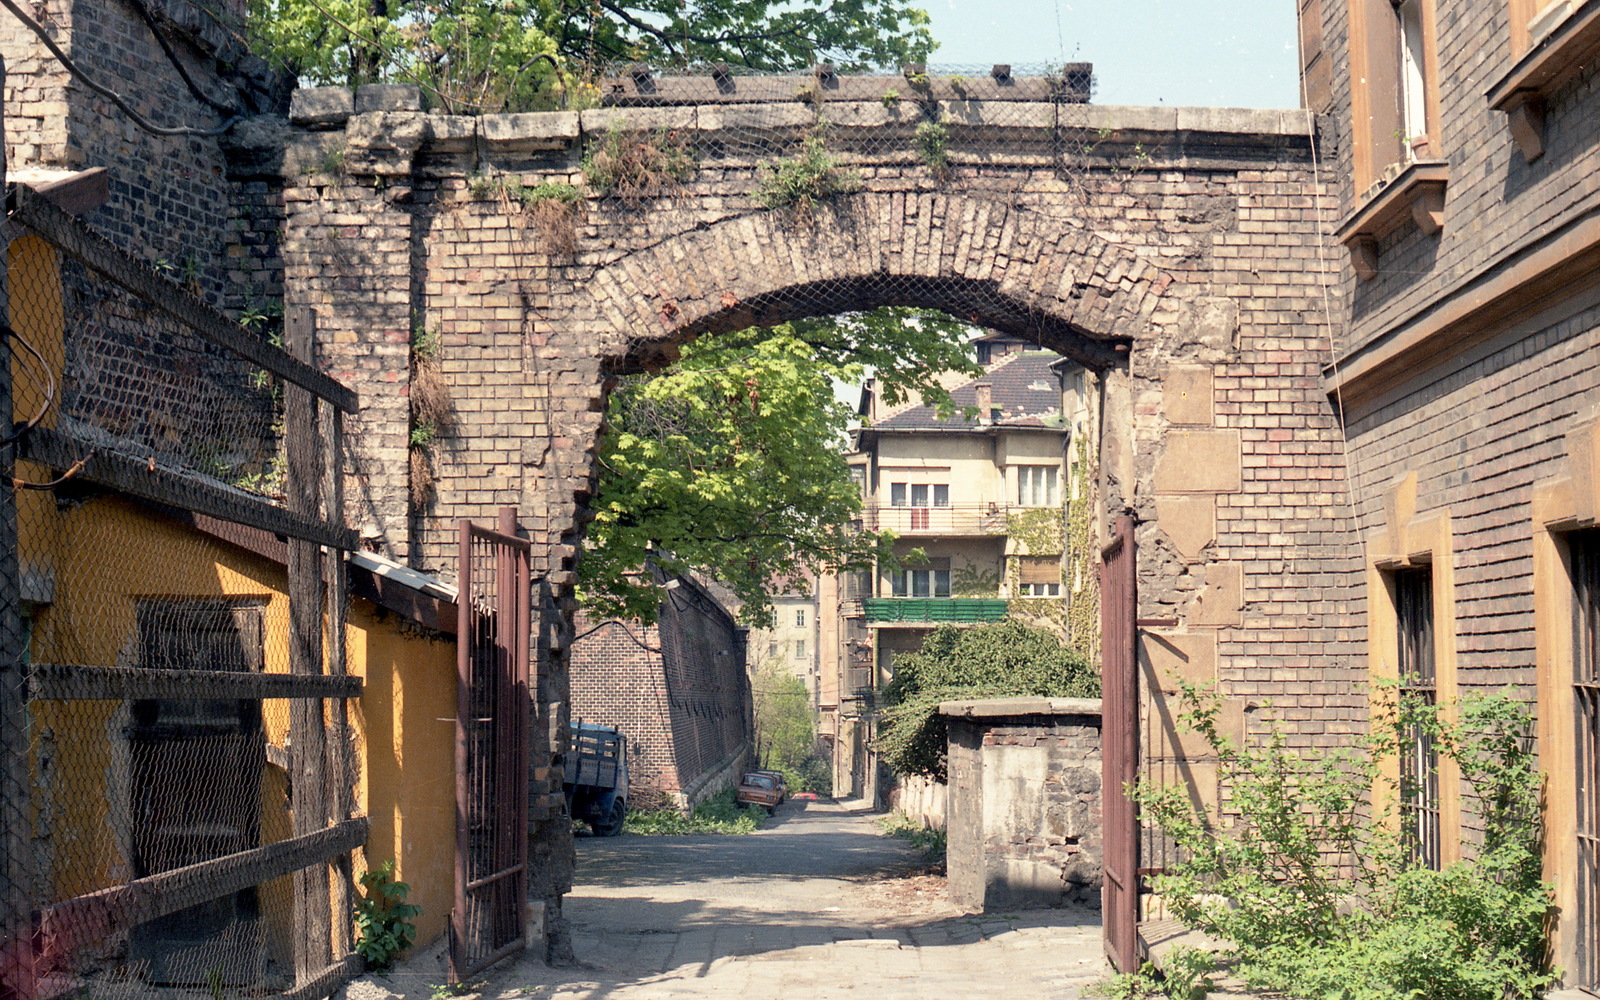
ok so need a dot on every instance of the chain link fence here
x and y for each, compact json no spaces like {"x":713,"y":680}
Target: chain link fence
{"x":176,"y":805}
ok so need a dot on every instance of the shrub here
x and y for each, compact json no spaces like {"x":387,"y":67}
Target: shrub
{"x":635,"y":166}
{"x":994,"y":660}
{"x":933,"y":141}
{"x":810,"y":176}
{"x":1308,"y":876}
{"x":383,"y":918}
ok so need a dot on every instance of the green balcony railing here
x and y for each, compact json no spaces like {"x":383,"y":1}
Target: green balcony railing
{"x":933,"y":609}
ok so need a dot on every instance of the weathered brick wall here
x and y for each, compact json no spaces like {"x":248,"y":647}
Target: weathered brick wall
{"x":684,"y":702}
{"x":1176,"y":250}
{"x":170,"y":197}
{"x":1023,"y":806}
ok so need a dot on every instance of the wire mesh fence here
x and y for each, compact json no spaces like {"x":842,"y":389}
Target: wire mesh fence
{"x":179,"y":766}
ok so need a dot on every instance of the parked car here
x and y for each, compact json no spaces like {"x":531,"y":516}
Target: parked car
{"x":597,"y":785}
{"x":783,"y":786}
{"x":757,"y":788}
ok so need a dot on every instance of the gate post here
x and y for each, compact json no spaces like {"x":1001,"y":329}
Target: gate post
{"x":1119,"y":602}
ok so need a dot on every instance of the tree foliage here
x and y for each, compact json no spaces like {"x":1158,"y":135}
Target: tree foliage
{"x":476,"y":56}
{"x":786,"y":731}
{"x":730,"y":461}
{"x":994,"y":660}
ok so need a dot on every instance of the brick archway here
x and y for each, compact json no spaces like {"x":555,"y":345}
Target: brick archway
{"x":977,"y":259}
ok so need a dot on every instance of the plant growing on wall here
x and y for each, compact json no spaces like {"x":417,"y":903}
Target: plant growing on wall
{"x":812,"y":175}
{"x":932,"y":143}
{"x":634,"y":166}
{"x":1306,"y":872}
{"x":551,"y":208}
{"x":431,"y":409}
{"x":1038,"y":531}
{"x":383,"y":918}
{"x":992,"y":660}
{"x":1081,"y":571}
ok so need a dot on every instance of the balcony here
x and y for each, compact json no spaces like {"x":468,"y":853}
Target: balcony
{"x":953,"y":519}
{"x":935,"y":610}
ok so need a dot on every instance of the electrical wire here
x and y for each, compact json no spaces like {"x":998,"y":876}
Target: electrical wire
{"x":620,"y":624}
{"x":106,"y":92}
{"x":177,"y":64}
{"x":47,"y":377}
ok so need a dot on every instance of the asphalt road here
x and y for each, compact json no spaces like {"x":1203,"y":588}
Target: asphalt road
{"x":817,"y":905}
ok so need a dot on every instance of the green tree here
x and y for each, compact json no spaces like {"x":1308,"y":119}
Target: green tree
{"x":489,"y":55}
{"x":785,"y":727}
{"x":730,"y":461}
{"x":993,"y":660}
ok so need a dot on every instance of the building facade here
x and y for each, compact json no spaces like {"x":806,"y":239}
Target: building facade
{"x":1467,"y":375}
{"x":985,"y":499}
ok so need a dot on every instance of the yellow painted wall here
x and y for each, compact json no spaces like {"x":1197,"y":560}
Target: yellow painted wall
{"x":111,"y":553}
{"x":407,"y":719}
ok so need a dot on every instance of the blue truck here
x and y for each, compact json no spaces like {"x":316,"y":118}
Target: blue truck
{"x":597,"y":778}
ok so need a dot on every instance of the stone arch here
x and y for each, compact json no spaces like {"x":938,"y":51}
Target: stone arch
{"x":978,"y":259}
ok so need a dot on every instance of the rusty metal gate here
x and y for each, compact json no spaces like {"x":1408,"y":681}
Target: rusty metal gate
{"x":492,"y":732}
{"x":1119,"y":601}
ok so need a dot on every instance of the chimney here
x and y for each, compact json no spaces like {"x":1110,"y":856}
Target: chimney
{"x":985,"y":401}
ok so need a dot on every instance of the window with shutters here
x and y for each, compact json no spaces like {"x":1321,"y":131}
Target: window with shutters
{"x":1038,"y":576}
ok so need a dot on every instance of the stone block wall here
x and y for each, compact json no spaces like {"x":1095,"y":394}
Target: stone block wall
{"x":1023,"y":803}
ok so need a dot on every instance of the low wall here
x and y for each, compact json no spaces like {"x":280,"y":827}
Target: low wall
{"x":1023,"y":808}
{"x":922,"y":800}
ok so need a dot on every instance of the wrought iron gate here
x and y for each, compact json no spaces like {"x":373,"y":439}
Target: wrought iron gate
{"x":492,"y":731}
{"x":1119,"y":601}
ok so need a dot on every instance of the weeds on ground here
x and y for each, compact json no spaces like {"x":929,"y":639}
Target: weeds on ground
{"x":717,"y":814}
{"x":930,"y":842}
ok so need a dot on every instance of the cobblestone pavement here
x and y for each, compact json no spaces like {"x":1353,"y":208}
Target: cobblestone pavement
{"x":817,"y":905}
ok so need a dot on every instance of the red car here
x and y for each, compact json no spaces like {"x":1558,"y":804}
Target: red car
{"x":758,"y":789}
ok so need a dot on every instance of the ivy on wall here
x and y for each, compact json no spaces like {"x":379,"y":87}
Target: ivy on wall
{"x":1080,"y":570}
{"x":970,"y":579}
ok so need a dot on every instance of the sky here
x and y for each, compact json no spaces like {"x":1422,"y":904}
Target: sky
{"x":1233,"y":53}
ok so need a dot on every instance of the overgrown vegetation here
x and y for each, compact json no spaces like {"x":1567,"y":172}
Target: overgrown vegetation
{"x":933,"y":146}
{"x":383,"y":918}
{"x":1185,"y":974}
{"x":1309,"y":874}
{"x":431,"y":410}
{"x":929,"y":842}
{"x":993,"y":660}
{"x":717,"y":814}
{"x":634,"y":166}
{"x":551,"y":208}
{"x":786,"y":730}
{"x":812,"y":175}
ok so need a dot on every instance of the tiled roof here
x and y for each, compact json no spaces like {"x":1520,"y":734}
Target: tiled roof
{"x":1022,"y":387}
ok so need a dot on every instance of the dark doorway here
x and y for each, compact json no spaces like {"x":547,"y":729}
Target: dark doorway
{"x":195,"y":794}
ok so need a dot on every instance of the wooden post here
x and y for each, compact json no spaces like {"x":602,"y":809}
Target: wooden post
{"x":16,"y":900}
{"x":341,"y":759}
{"x":313,"y":948}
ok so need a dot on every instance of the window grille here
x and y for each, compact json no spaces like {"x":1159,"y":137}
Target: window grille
{"x":1419,"y":757}
{"x":1585,"y":549}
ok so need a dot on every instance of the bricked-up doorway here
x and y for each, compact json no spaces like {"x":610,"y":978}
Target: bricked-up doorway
{"x":1166,"y":249}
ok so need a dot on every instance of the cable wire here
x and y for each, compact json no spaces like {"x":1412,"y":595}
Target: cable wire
{"x":106,"y":92}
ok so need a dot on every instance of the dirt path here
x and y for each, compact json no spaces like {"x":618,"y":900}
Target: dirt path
{"x":817,"y":905}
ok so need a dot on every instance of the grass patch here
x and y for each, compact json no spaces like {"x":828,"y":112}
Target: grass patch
{"x":717,"y":814}
{"x":930,"y":842}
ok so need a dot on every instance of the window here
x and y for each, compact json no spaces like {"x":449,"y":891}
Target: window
{"x":1585,"y":548}
{"x":1419,"y":758}
{"x":1038,"y":576}
{"x":919,"y":495}
{"x":799,"y":649}
{"x":1394,"y":79}
{"x":932,"y":580}
{"x":799,"y":617}
{"x":772,"y":650}
{"x":1037,"y":485}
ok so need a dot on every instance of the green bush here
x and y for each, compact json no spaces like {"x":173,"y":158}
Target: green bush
{"x":994,"y":660}
{"x":1308,"y":875}
{"x":383,"y":918}
{"x":785,"y":731}
{"x":812,"y":175}
{"x":932,"y":843}
{"x":717,"y":814}
{"x":639,"y":165}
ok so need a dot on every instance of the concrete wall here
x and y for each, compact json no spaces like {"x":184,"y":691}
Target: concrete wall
{"x":1023,"y":806}
{"x":921,"y":800}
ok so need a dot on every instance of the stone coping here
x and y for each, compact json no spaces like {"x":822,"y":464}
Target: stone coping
{"x":332,"y":107}
{"x":1004,"y":708}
